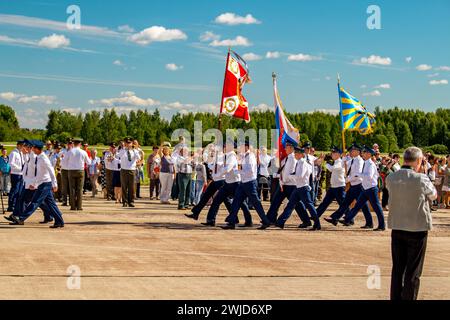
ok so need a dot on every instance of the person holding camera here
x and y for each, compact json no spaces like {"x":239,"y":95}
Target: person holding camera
{"x":410,"y":220}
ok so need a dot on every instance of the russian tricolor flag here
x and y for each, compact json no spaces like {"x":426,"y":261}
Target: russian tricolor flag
{"x":286,"y":131}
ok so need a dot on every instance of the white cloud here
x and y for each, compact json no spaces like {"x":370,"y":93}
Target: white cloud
{"x":383,"y":86}
{"x":238,"y":41}
{"x":375,"y":60}
{"x":328,"y":78}
{"x":443,"y":68}
{"x":251,"y":57}
{"x":126,"y":28}
{"x":438,"y":82}
{"x":363,"y":86}
{"x":232,"y":19}
{"x":424,"y":67}
{"x":173,"y":67}
{"x":408,"y":59}
{"x":209,"y":36}
{"x":127,"y":98}
{"x":272,"y":55}
{"x":157,"y":34}
{"x":54,"y":41}
{"x":262,"y":107}
{"x":22,"y":98}
{"x":433,"y":75}
{"x":118,"y":63}
{"x":374,"y":93}
{"x":303,"y":57}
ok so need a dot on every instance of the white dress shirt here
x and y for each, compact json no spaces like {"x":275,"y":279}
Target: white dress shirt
{"x":76,"y":159}
{"x":337,"y":173}
{"x":354,"y":166}
{"x":16,"y":161}
{"x":286,"y":177}
{"x":311,"y":159}
{"x":230,"y":168}
{"x":249,"y":167}
{"x":109,"y":156}
{"x":220,"y":174}
{"x":369,"y":175}
{"x":44,"y":171}
{"x":303,"y":171}
{"x":29,"y":170}
{"x":113,"y":163}
{"x":264,"y":161}
{"x":126,"y":164}
{"x":63,"y":163}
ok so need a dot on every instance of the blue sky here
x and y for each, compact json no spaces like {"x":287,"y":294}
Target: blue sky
{"x":171,"y":54}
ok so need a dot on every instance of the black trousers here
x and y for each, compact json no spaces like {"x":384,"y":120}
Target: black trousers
{"x":408,"y":255}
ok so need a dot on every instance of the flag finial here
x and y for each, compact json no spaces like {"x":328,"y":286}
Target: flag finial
{"x":274,"y":75}
{"x":338,"y":78}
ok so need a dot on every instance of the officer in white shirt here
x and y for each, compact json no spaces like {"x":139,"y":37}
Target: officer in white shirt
{"x":17,"y":162}
{"x":232,"y":181}
{"x":248,"y":188}
{"x":215,"y":185}
{"x":65,"y":191}
{"x":109,"y":171}
{"x":263,"y":174}
{"x":77,"y":159}
{"x":369,"y":177}
{"x":337,"y":190}
{"x":313,"y":161}
{"x":354,"y":169}
{"x":302,"y":193}
{"x":129,"y":158}
{"x":286,"y":187}
{"x":44,"y":184}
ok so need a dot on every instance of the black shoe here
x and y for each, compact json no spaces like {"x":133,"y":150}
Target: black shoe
{"x":350,"y":223}
{"x":316,"y":227}
{"x":247,"y":225}
{"x":367,"y":226}
{"x":9,"y":218}
{"x":332,"y":221}
{"x":281,"y":226}
{"x":304,"y":225}
{"x":264,"y":226}
{"x":73,"y":209}
{"x":229,"y":227}
{"x":46,"y":221}
{"x":56,"y":226}
{"x":64,"y":204}
{"x":380,"y":229}
{"x":16,"y":221}
{"x":191,"y":216}
{"x":345,"y":223}
{"x":131,"y":205}
{"x":124,"y":205}
{"x":209,"y":224}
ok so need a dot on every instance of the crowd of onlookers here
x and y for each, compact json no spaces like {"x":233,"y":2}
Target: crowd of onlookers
{"x":176,"y":173}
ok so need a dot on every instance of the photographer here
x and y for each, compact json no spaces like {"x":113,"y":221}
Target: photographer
{"x":410,"y":220}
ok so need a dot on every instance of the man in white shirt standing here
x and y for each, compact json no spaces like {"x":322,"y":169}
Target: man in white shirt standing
{"x":129,"y":158}
{"x":44,"y":185}
{"x":248,"y":188}
{"x":109,"y":171}
{"x":354,"y":168}
{"x":17,"y":162}
{"x":65,"y":191}
{"x":369,"y":177}
{"x":302,"y":193}
{"x":263,"y":174}
{"x":337,"y":190}
{"x":76,"y":161}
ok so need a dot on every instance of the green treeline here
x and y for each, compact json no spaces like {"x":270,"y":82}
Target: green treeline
{"x":395,"y":129}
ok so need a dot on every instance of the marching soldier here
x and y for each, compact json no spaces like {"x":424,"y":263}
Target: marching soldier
{"x":76,"y":161}
{"x":354,"y":169}
{"x":44,"y":185}
{"x":337,"y":188}
{"x":17,"y":162}
{"x":286,"y":187}
{"x":302,"y":193}
{"x":232,"y":181}
{"x":248,"y":188}
{"x":369,"y":176}
{"x":129,"y":158}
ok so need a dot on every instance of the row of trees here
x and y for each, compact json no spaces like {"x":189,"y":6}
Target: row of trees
{"x":10,"y":129}
{"x":395,"y":128}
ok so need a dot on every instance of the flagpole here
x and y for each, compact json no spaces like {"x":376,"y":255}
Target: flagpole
{"x":340,"y":113}
{"x":221,"y":101}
